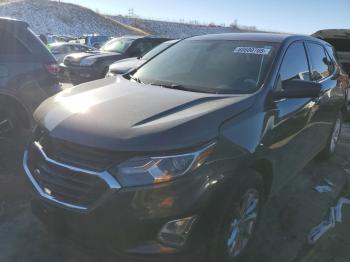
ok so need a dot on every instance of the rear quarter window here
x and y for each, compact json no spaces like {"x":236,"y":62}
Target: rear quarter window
{"x":321,"y":66}
{"x":10,"y":45}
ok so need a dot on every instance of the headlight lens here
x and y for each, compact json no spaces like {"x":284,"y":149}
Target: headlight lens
{"x":110,"y":74}
{"x":153,"y":170}
{"x":87,"y":61}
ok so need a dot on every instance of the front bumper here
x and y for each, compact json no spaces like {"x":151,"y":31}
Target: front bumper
{"x":81,"y":74}
{"x":128,"y":220}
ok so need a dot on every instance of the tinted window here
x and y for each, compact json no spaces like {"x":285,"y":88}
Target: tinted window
{"x":142,"y":47}
{"x":65,"y":49}
{"x":320,"y":64}
{"x":294,"y":65}
{"x":330,"y":63}
{"x":9,"y":45}
{"x":227,"y":67}
{"x":153,"y":52}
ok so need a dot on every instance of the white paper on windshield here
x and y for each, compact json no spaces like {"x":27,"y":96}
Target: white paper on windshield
{"x":252,"y":50}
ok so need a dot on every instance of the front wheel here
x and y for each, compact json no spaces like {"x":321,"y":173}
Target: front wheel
{"x":240,"y":219}
{"x":333,"y":139}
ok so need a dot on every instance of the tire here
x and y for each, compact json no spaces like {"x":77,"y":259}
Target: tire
{"x":228,"y":243}
{"x":333,"y":139}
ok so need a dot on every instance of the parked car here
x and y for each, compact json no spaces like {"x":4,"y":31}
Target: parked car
{"x":84,"y":67}
{"x":125,"y":65}
{"x":60,"y":50}
{"x":59,"y":39}
{"x":180,"y":155}
{"x":95,"y":41}
{"x":28,"y":75}
{"x":340,"y":39}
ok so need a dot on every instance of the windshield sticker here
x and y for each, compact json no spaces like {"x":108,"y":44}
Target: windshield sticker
{"x":252,"y":50}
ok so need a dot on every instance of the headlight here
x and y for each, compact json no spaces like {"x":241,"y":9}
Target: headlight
{"x":110,"y":74}
{"x":87,"y":61}
{"x":153,"y":170}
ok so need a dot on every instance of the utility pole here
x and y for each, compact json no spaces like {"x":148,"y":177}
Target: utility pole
{"x":131,"y":12}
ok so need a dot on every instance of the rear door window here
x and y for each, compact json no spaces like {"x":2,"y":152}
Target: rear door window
{"x":295,"y":65}
{"x":321,"y":66}
{"x":143,"y":46}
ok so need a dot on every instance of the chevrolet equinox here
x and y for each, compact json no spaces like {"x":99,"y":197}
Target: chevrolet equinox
{"x":178,"y":157}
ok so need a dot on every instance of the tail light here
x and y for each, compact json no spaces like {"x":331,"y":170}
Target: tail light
{"x":54,"y":69}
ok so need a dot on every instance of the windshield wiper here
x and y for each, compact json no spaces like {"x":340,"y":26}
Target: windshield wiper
{"x":135,"y":79}
{"x":179,"y":87}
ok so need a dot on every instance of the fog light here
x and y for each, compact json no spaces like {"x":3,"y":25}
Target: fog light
{"x":175,"y":233}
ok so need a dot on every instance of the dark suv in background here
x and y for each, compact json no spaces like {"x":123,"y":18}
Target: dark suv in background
{"x":125,"y":65}
{"x":28,"y":75}
{"x":84,"y":67}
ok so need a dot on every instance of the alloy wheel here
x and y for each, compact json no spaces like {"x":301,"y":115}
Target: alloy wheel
{"x":243,"y":224}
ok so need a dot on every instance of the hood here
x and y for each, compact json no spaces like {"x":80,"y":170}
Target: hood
{"x":77,"y":57}
{"x":124,"y":65}
{"x":118,"y":114}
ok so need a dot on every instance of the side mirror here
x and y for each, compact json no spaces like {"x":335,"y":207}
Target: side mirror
{"x":56,"y":52}
{"x":296,"y":88}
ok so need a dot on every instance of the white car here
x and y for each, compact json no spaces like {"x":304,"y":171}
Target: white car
{"x":60,"y":50}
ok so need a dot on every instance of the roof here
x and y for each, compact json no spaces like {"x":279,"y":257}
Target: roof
{"x":142,"y":36}
{"x":13,"y":21}
{"x":263,"y":37}
{"x":64,"y":43}
{"x":333,"y":33}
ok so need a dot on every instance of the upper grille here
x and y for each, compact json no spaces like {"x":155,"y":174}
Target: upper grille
{"x":63,"y":184}
{"x":80,"y":156}
{"x":71,"y":62}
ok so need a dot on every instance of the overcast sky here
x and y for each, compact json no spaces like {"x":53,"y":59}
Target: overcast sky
{"x":294,"y":16}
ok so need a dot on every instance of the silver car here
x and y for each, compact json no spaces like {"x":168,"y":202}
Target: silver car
{"x":60,"y":50}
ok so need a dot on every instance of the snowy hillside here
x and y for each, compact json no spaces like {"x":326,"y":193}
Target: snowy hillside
{"x":61,"y":18}
{"x":52,"y":17}
{"x":171,"y":29}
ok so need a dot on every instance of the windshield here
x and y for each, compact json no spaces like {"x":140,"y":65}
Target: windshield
{"x":118,"y":45}
{"x":99,"y":39}
{"x":223,"y":67}
{"x":155,"y":51}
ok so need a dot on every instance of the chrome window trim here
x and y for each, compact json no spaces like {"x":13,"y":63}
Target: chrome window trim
{"x":105,"y":175}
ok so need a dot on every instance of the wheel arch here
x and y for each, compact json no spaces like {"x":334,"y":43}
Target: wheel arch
{"x":23,"y":113}
{"x":265,"y":168}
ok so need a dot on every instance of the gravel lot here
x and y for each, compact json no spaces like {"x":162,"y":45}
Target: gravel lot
{"x":288,"y":218}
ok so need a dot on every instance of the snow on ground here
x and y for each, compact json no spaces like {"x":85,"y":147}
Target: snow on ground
{"x":172,"y":29}
{"x":62,"y":18}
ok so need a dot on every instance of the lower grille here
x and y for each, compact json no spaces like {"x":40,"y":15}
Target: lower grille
{"x":63,"y":184}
